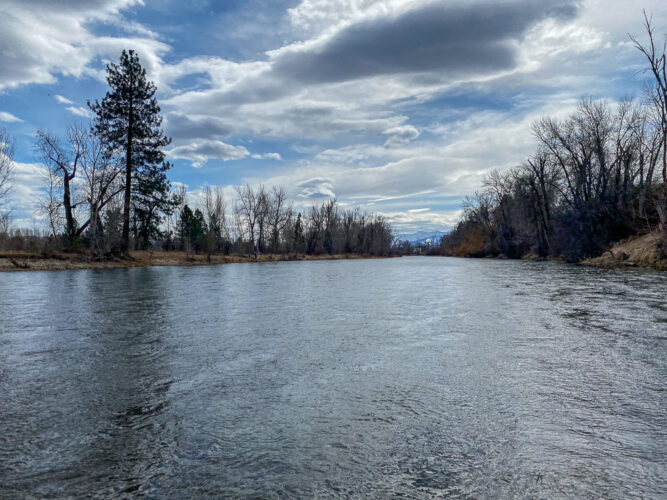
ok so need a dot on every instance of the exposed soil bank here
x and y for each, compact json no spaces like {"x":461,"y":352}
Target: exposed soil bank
{"x":649,"y":250}
{"x":24,"y":261}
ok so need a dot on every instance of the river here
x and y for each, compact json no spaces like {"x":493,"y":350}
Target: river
{"x":421,"y":377}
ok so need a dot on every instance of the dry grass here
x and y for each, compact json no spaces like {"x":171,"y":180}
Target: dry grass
{"x":25,"y":261}
{"x":649,"y":250}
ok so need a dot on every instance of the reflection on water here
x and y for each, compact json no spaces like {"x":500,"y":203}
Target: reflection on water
{"x":415,"y":376}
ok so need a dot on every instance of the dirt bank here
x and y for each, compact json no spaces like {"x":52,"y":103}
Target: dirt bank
{"x":649,"y":250}
{"x":24,"y":261}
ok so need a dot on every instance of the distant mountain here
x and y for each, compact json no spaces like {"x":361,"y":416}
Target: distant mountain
{"x":422,"y":237}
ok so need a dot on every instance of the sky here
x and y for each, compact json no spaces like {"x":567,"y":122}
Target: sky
{"x":398,"y":107}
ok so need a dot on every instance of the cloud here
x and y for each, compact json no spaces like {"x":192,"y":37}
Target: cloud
{"x":43,"y":39}
{"x":200,"y":151}
{"x":426,"y":221}
{"x":267,"y":156}
{"x":400,"y":135}
{"x":455,"y":40}
{"x":28,"y":180}
{"x":181,"y":126}
{"x":292,"y":116}
{"x":347,"y":76}
{"x":221,"y":73}
{"x":8,"y":117}
{"x":431,"y":174}
{"x":318,"y":15}
{"x":316,"y":188}
{"x":63,"y":100}
{"x":80,"y":111}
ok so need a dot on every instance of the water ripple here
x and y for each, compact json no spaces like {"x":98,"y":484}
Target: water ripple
{"x":412,"y":377}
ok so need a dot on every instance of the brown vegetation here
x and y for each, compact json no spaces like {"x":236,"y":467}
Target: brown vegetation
{"x":649,"y":250}
{"x":25,"y":261}
{"x":471,"y":246}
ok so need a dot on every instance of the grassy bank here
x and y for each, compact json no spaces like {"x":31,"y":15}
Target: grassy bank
{"x":24,"y":261}
{"x":649,"y":251}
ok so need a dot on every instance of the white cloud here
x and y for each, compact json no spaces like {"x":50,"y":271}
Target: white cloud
{"x":400,"y":135}
{"x":315,"y":16}
{"x":79,"y":111}
{"x":42,"y":39}
{"x":63,"y":100}
{"x":8,"y":117}
{"x":266,"y":156}
{"x":26,"y":185}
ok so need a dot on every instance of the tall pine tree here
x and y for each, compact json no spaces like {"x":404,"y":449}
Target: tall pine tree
{"x":128,"y":120}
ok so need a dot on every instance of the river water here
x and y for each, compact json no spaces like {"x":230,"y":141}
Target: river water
{"x":417,"y":377}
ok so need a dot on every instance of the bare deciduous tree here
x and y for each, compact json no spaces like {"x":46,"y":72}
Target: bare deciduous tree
{"x":66,"y":194}
{"x":6,"y":175}
{"x":250,"y":211}
{"x":63,"y":158}
{"x":657,"y":95}
{"x":102,"y":184}
{"x":280,"y":214}
{"x":50,"y":201}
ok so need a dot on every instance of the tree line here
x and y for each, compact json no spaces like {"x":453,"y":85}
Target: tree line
{"x":265,"y":221}
{"x":595,"y":178}
{"x":106,"y":191}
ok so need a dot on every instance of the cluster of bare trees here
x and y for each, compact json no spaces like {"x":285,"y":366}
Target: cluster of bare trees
{"x":265,"y":221}
{"x":261,"y":217}
{"x":595,"y":178}
{"x":656,"y":92}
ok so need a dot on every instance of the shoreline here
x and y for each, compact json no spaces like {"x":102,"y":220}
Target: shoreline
{"x":638,"y":252}
{"x":598,"y":262}
{"x":16,"y":261}
{"x":647,"y":251}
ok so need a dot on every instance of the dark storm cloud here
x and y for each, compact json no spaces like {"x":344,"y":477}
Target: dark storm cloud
{"x":455,"y":39}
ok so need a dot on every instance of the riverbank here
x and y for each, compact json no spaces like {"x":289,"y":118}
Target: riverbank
{"x":648,"y":251}
{"x":24,"y":261}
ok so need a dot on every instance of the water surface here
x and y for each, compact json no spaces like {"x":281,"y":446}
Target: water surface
{"x":419,"y":377}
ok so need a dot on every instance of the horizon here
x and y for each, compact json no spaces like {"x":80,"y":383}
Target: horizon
{"x":395,"y":107}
